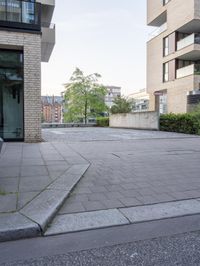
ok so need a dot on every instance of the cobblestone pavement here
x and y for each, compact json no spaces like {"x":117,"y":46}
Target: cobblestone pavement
{"x":131,"y":167}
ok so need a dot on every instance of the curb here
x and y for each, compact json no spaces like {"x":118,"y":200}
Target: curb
{"x":68,"y":223}
{"x":33,"y":219}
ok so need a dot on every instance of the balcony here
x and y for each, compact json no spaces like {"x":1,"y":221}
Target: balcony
{"x":193,"y":69}
{"x":48,"y":40}
{"x":17,"y":14}
{"x":158,"y":31}
{"x":193,"y":38}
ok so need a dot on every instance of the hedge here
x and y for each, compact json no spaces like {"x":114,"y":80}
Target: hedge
{"x":102,"y":121}
{"x":180,"y":123}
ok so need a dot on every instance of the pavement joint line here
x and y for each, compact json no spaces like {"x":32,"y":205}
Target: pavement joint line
{"x":67,"y":223}
{"x":78,"y":153}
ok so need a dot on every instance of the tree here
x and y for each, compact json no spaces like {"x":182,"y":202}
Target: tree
{"x":121,"y":105}
{"x":84,"y":97}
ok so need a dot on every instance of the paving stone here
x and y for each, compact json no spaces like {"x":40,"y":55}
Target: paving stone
{"x":165,"y":197}
{"x":161,"y":211}
{"x":9,"y":185}
{"x":113,"y":203}
{"x":26,"y":197}
{"x":16,"y":226}
{"x":28,"y":171}
{"x":72,"y":208}
{"x":130,"y":201}
{"x":98,"y":189}
{"x":84,"y":221}
{"x":93,"y":205}
{"x":83,"y":190}
{"x":8,"y":202}
{"x":36,"y":183}
{"x":114,"y":195}
{"x":148,"y":199}
{"x":97,"y":196}
{"x":130,"y":193}
{"x":32,"y":162}
{"x":11,"y":171}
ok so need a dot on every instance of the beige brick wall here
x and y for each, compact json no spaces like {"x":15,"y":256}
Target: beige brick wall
{"x":178,"y":14}
{"x":31,"y":45}
{"x":154,"y":9}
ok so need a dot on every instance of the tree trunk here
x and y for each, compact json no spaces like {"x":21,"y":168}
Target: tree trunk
{"x":86,"y":106}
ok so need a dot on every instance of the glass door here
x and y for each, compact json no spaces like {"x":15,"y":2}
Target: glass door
{"x":11,"y":97}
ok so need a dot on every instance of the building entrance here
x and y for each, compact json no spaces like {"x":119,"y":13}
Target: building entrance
{"x":11,"y":95}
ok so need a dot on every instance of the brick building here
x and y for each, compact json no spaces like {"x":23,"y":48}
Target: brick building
{"x":51,"y":109}
{"x":27,"y":37}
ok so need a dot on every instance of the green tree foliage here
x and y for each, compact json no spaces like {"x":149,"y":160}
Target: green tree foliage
{"x":122,"y":105}
{"x":84,"y":97}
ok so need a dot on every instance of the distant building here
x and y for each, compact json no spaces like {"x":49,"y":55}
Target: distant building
{"x":141,"y":100}
{"x":113,"y":92}
{"x":52,"y":109}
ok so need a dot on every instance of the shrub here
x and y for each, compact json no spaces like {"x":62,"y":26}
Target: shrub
{"x":180,"y":123}
{"x":102,"y":121}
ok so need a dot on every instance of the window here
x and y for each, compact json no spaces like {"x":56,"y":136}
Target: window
{"x":166,"y":46}
{"x":165,"y":2}
{"x":166,"y":72}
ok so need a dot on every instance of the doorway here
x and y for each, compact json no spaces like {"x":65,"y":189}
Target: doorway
{"x":11,"y":95}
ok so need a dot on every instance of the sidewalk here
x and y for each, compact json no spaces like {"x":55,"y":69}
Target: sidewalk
{"x":35,"y":180}
{"x":94,"y":178}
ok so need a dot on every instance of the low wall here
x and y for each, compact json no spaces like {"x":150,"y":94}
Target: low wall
{"x":67,"y":125}
{"x":140,"y":120}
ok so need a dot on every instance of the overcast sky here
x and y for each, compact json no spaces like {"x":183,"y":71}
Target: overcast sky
{"x":104,"y":36}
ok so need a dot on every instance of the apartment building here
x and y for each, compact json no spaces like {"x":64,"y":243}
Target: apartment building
{"x":52,"y":107}
{"x":112,"y":93}
{"x":27,"y":38}
{"x":141,"y":100}
{"x":173,"y":55}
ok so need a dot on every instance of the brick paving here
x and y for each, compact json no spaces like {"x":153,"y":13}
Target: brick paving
{"x":131,"y":167}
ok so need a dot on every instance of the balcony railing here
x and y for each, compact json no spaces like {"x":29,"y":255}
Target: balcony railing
{"x":193,"y":38}
{"x":158,"y":31}
{"x":193,"y":69}
{"x":20,"y":14}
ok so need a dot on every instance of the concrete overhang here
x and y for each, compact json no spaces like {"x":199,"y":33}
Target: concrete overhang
{"x":48,"y":42}
{"x":159,"y":20}
{"x":192,"y":26}
{"x":191,"y":52}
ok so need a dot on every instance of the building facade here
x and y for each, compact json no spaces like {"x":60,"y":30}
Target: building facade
{"x":113,"y":92}
{"x":27,"y":38}
{"x":52,"y":109}
{"x":141,"y":100}
{"x":173,"y":55}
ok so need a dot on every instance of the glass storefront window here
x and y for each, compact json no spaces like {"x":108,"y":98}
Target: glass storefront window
{"x":11,"y":95}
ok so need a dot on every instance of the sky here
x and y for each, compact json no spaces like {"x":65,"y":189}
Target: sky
{"x":103,"y":36}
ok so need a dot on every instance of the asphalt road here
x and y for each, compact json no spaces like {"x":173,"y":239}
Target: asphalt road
{"x":159,"y":243}
{"x":177,"y":250}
